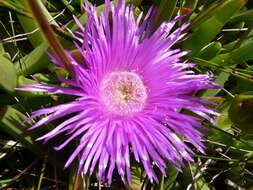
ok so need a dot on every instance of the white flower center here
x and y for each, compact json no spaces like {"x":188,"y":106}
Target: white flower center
{"x":123,"y":93}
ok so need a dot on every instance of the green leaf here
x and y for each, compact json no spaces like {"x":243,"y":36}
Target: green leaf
{"x":224,"y":125}
{"x":207,"y":31}
{"x":69,"y":6}
{"x":164,"y":12}
{"x":2,"y":51}
{"x":29,"y":24}
{"x":220,"y":79}
{"x":170,"y":180}
{"x":205,"y":14}
{"x":246,"y":16}
{"x":11,"y":123}
{"x":198,"y":183}
{"x":210,"y":51}
{"x":230,"y":46}
{"x":136,"y":173}
{"x":237,"y":56}
{"x":34,"y":61}
{"x":25,"y":94}
{"x":8,"y":77}
{"x":224,"y":120}
{"x":241,"y":111}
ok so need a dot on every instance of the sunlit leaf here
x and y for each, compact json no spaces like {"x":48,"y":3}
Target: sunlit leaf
{"x":8,"y":77}
{"x":207,"y":31}
{"x":34,"y":61}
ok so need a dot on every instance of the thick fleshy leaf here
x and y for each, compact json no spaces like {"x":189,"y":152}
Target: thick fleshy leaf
{"x":207,"y":31}
{"x":210,"y":51}
{"x":246,"y":16}
{"x":241,"y":111}
{"x":8,"y":77}
{"x":237,"y":56}
{"x":34,"y":61}
{"x":164,"y":11}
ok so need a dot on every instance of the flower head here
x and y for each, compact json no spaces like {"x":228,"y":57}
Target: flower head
{"x":129,"y":91}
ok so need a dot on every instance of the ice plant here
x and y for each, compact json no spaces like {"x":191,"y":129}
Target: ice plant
{"x":130,"y":92}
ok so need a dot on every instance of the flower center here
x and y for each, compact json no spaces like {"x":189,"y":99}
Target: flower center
{"x":123,"y":93}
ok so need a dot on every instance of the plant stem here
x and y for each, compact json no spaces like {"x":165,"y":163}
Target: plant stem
{"x":224,"y":159}
{"x":49,"y":34}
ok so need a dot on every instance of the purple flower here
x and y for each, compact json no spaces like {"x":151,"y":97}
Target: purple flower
{"x":130,"y":92}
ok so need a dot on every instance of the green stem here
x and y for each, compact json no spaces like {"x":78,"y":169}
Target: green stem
{"x":232,"y":136}
{"x":42,"y":172}
{"x":161,"y":183}
{"x":224,"y":159}
{"x":69,"y":7}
